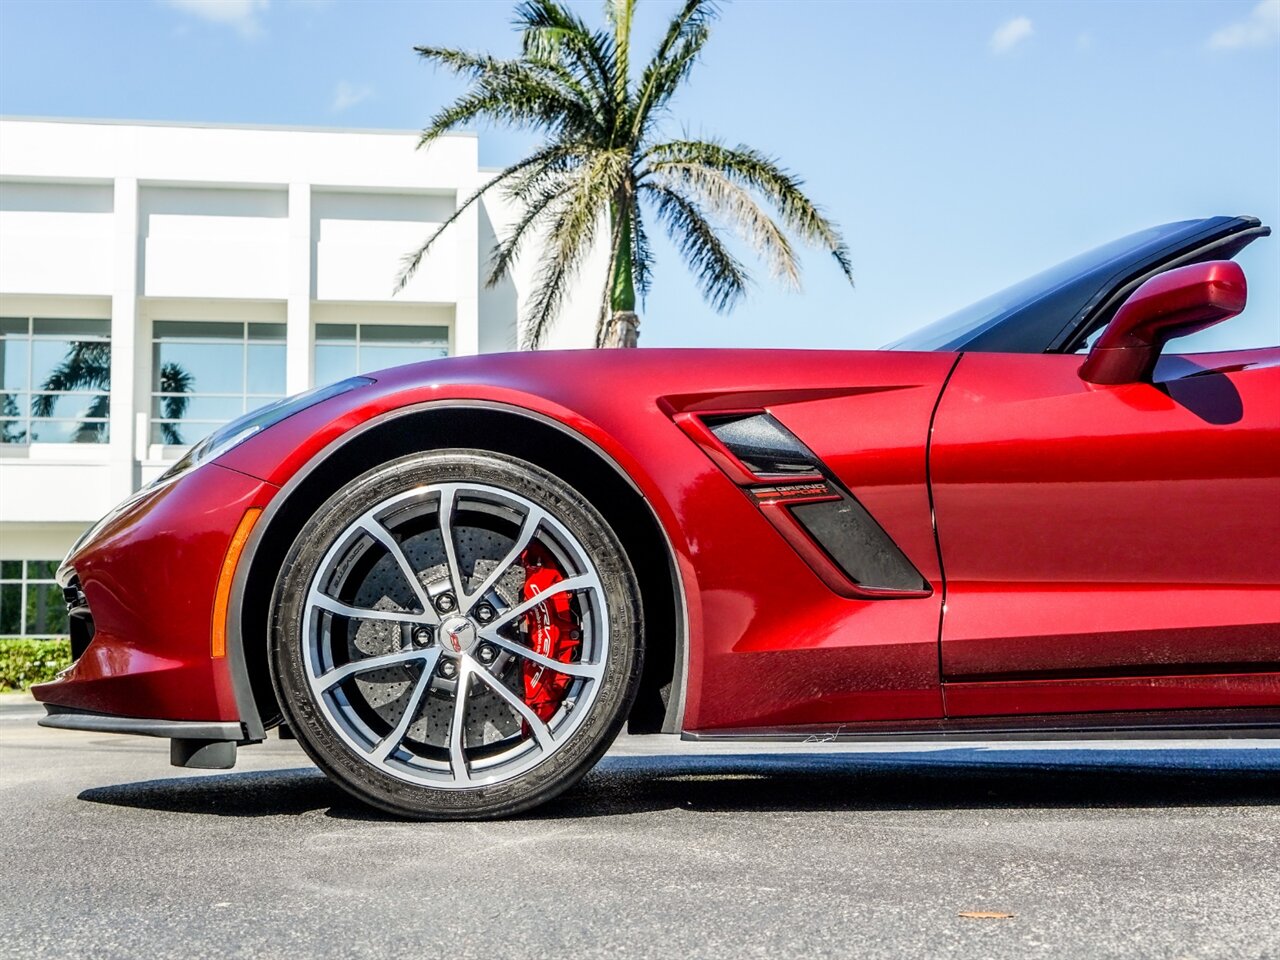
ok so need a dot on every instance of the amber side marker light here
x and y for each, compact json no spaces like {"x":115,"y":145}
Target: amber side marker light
{"x":222,"y":599}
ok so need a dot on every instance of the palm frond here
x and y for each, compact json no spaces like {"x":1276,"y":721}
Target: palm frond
{"x":521,"y":98}
{"x":462,"y":62}
{"x":87,"y":366}
{"x":722,"y":279}
{"x":410,"y":262}
{"x":551,"y":33}
{"x":734,"y":206}
{"x":752,"y":169}
{"x":94,"y":423}
{"x":570,"y":236}
{"x":678,"y":50}
{"x":555,"y":269}
{"x":533,"y":180}
{"x":478,"y":67}
{"x":535,"y":205}
{"x":176,"y":381}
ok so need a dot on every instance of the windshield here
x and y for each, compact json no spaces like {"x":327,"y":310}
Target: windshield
{"x":953,"y":332}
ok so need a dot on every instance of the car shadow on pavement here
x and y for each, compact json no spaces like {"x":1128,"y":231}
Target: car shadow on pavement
{"x":944,"y":779}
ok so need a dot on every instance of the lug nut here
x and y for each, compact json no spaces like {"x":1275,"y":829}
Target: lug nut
{"x":487,"y":653}
{"x":446,"y":602}
{"x":485,"y":613}
{"x":422,"y":637}
{"x":448,"y":669}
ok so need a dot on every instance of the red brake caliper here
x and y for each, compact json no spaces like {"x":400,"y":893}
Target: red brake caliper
{"x":552,"y":632}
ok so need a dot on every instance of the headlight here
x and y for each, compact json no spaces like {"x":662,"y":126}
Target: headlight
{"x":238,"y":431}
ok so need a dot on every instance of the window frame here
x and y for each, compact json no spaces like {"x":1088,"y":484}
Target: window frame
{"x":28,"y":420}
{"x":445,"y":341}
{"x":155,"y":423}
{"x":26,"y":581}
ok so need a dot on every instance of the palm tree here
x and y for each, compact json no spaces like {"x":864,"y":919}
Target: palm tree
{"x":174,"y":381}
{"x":603,"y":162}
{"x":87,"y":366}
{"x":10,"y":431}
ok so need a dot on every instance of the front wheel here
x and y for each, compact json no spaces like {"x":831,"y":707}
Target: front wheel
{"x":456,"y":634}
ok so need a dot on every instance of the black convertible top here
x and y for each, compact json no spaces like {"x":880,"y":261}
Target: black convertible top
{"x":1056,"y":310}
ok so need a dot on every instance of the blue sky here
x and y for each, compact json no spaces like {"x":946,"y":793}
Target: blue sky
{"x":962,"y":146}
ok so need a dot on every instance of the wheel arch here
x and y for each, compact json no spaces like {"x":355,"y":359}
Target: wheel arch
{"x":505,"y":429}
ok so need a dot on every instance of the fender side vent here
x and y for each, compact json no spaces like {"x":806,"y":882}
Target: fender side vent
{"x":858,"y":545}
{"x":764,"y":446}
{"x":821,"y":520}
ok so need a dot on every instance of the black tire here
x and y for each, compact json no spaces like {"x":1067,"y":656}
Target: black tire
{"x":570,"y":759}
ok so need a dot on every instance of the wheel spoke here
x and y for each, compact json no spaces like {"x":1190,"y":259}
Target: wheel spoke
{"x":590,"y":671}
{"x":325,"y":602}
{"x":583,"y":581}
{"x":384,"y":537}
{"x":457,"y":756}
{"x":527,"y":529}
{"x":447,"y":500}
{"x":541,"y":732}
{"x":331,"y":678}
{"x":396,"y":737}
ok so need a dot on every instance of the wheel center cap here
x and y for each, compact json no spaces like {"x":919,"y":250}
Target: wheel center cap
{"x":457,"y":635}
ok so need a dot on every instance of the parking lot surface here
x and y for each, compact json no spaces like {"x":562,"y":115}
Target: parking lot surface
{"x":668,"y":849}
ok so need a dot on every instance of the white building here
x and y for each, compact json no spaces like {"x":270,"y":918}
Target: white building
{"x":159,"y":279}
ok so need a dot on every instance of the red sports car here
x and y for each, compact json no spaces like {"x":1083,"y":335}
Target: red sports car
{"x":455,"y":581}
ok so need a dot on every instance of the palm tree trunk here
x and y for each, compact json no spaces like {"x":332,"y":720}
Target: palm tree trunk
{"x":624,"y":329}
{"x":624,"y":325}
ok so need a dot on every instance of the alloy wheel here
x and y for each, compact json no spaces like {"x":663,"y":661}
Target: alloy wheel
{"x":455,"y":635}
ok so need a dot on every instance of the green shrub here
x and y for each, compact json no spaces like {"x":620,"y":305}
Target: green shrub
{"x":24,"y":662}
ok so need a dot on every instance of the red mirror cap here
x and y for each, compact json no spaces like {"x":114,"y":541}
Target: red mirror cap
{"x":1176,"y":303}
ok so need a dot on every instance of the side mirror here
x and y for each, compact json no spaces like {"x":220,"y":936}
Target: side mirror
{"x":1171,"y":304}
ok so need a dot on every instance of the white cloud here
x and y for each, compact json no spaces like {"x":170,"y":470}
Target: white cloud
{"x":240,"y":14}
{"x":1260,"y":29}
{"x":1010,"y":33}
{"x":348,"y":94}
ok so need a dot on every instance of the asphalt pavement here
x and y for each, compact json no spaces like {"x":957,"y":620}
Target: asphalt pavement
{"x":669,"y":849}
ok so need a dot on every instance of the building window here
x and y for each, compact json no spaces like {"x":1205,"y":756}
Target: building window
{"x":204,"y":374}
{"x":31,"y":603}
{"x":346,"y":349}
{"x":55,"y":380}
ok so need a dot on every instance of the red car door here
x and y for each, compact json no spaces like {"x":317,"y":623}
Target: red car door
{"x":1109,"y":548}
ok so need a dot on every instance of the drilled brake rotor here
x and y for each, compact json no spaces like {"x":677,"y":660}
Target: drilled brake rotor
{"x":387,"y":692}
